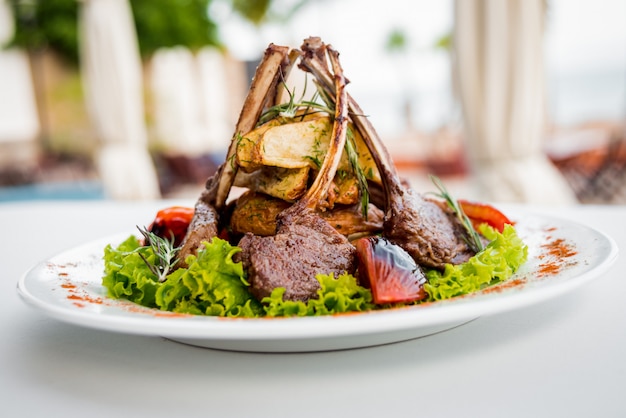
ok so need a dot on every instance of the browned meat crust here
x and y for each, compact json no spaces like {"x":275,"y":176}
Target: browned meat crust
{"x":304,"y":245}
{"x":203,"y":227}
{"x":426,"y":231}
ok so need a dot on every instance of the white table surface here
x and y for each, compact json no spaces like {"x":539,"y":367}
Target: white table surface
{"x":561,"y":358}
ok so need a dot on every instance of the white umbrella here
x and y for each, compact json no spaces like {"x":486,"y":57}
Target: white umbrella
{"x":111,"y":71}
{"x":499,"y":69}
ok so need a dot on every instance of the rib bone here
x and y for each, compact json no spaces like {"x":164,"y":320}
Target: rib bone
{"x":276,"y":62}
{"x":426,"y":231}
{"x":263,"y":93}
{"x":305,"y":244}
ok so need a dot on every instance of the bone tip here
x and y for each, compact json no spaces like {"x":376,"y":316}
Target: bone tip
{"x":313,"y":45}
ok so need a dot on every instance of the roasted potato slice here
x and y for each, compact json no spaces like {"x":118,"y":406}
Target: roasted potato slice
{"x":256,"y":213}
{"x":246,"y":155}
{"x":366,"y":161}
{"x":284,"y":183}
{"x":295,"y":145}
{"x":305,"y":143}
{"x":345,"y":191}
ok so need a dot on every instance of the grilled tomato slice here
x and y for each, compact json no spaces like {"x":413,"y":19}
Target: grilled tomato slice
{"x":389,"y":271}
{"x":172,"y":222}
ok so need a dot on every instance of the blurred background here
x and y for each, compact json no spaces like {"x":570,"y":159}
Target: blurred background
{"x":505,"y":100}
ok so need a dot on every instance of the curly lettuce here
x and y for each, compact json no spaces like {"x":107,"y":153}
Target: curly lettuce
{"x":504,"y":254}
{"x":127,"y":276}
{"x":336,"y":295}
{"x":215,"y":285}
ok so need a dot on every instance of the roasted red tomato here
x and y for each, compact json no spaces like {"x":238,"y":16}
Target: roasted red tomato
{"x":483,"y":213}
{"x":172,"y":222}
{"x":389,"y":271}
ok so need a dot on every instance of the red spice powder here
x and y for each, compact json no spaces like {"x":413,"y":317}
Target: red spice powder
{"x":557,"y":251}
{"x":162,"y":314}
{"x":85,"y":298}
{"x":74,"y":294}
{"x":559,"y":248}
{"x":81,"y":298}
{"x":504,"y":286}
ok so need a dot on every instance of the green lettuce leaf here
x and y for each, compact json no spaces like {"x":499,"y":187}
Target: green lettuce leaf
{"x":213,"y":284}
{"x":336,"y":295}
{"x":127,"y":276}
{"x":496,"y":263}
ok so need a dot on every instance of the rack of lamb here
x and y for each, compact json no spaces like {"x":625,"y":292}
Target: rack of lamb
{"x":316,"y":178}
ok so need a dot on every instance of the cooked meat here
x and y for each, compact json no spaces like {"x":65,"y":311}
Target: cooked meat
{"x":288,"y":244}
{"x":305,"y":244}
{"x":349,"y":220}
{"x":203,"y":227}
{"x":276,"y":63}
{"x":256,"y":213}
{"x":422,"y":228}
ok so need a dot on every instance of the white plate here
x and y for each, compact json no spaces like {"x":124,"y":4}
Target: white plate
{"x":67,"y":287}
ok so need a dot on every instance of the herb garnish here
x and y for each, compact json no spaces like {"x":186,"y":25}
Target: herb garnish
{"x":472,"y":237}
{"x":291,"y":108}
{"x":353,"y":157}
{"x":164,"y":251}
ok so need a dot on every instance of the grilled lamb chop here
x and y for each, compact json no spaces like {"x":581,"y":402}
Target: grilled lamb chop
{"x":276,"y":62}
{"x":263,"y":93}
{"x":420,"y":226}
{"x":305,"y":244}
{"x":203,"y":226}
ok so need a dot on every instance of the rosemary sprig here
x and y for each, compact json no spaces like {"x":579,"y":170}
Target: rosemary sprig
{"x":353,"y":158}
{"x":165,"y":252}
{"x":291,"y":108}
{"x":472,"y":237}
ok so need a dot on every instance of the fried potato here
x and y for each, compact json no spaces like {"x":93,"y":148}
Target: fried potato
{"x":256,"y":213}
{"x":295,"y":145}
{"x":284,"y":183}
{"x":276,"y":158}
{"x":246,"y":155}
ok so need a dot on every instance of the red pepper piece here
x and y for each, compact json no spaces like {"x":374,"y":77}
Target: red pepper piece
{"x":483,"y":213}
